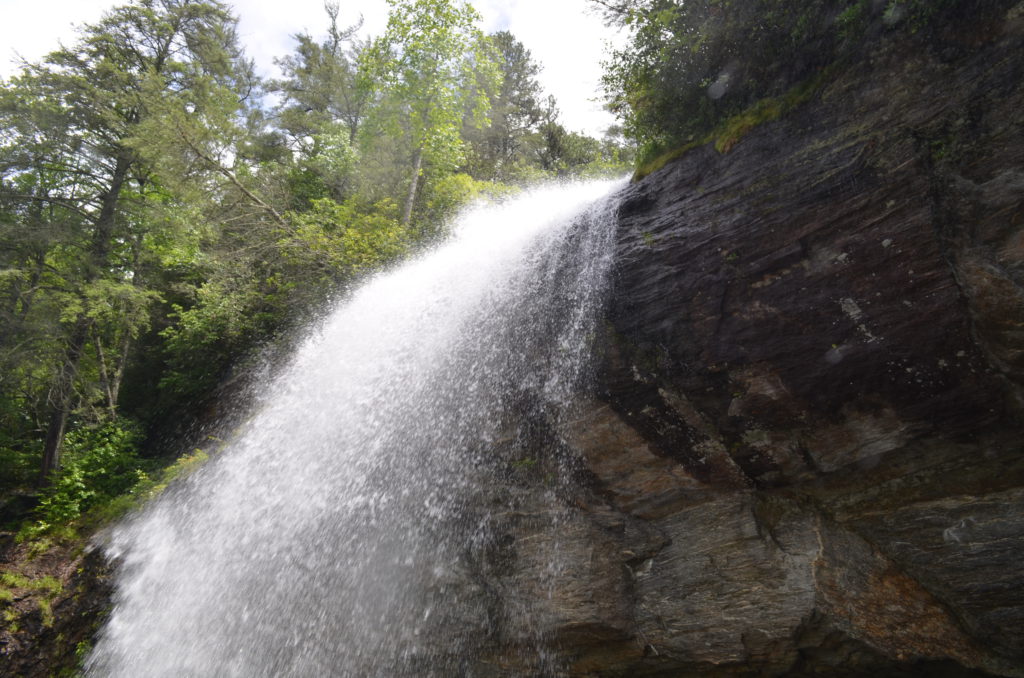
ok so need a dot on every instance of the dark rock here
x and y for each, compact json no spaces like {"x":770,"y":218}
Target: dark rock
{"x":34,"y":643}
{"x":813,"y":380}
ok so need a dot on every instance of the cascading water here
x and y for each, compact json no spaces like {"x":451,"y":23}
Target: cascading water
{"x":340,"y":533}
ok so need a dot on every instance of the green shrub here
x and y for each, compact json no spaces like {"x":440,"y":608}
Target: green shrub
{"x":99,"y":464}
{"x":445,"y":196}
{"x":149,"y":488}
{"x":19,"y":467}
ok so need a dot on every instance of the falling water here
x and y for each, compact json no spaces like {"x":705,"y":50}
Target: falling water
{"x":339,"y":533}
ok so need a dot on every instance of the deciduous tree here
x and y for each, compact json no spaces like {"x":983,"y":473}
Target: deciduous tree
{"x":431,"y":66}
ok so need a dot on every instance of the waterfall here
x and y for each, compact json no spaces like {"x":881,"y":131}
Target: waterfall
{"x":341,"y":531}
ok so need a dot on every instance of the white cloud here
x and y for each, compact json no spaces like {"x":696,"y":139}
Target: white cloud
{"x":568,"y":39}
{"x":266,"y":27}
{"x":33,"y":29}
{"x":565,"y":36}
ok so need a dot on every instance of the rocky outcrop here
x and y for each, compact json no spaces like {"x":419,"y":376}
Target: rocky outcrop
{"x":806,"y":456}
{"x":52,"y":602}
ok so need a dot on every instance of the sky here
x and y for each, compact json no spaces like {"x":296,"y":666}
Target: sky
{"x":567,"y":37}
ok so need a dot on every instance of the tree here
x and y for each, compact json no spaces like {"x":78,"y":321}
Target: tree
{"x":431,"y":66}
{"x":322,"y":85}
{"x":515,"y":111}
{"x":68,"y":126}
{"x":324,"y":97}
{"x":690,"y":64}
{"x":558,"y":150}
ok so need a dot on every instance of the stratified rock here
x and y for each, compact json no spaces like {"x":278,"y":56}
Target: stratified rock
{"x":813,"y":378}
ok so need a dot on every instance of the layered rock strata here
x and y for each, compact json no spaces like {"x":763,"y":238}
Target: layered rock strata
{"x":806,"y":453}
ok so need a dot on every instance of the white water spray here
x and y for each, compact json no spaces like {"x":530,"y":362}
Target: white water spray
{"x":335,"y":536}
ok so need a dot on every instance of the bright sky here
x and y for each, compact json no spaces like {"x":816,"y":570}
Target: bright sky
{"x":566,"y":36}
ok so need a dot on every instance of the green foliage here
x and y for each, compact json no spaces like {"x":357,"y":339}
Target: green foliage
{"x":445,"y":197}
{"x":730,"y":130}
{"x":20,"y":466}
{"x":434,"y":73}
{"x":341,"y":240}
{"x":150,"y":486}
{"x":99,"y":464}
{"x":45,"y":613}
{"x":82,"y":650}
{"x":333,"y":159}
{"x":49,"y":586}
{"x":286,"y":272}
{"x":735,"y":127}
{"x":11,"y":619}
{"x":435,"y":62}
{"x":559,"y":152}
{"x":501,"y":149}
{"x":109,"y":481}
{"x":146,"y":487}
{"x":691,"y":65}
{"x":42,"y":589}
{"x":323,"y":86}
{"x":91,"y":140}
{"x":853,"y":20}
{"x":160,"y":228}
{"x":228,"y":316}
{"x":564,"y":152}
{"x":12,"y":580}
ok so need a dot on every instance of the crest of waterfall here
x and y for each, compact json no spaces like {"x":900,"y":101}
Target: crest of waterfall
{"x":336,"y":534}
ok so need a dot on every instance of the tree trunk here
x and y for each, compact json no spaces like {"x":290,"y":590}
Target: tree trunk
{"x":413,"y":185}
{"x":105,"y":380}
{"x":60,"y":398}
{"x":118,"y":376}
{"x":63,"y":386}
{"x":33,"y":285}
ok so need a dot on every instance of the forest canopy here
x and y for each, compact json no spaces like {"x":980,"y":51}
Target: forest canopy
{"x":167,"y":216}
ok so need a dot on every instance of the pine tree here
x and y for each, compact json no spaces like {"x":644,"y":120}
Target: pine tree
{"x":68,"y":126}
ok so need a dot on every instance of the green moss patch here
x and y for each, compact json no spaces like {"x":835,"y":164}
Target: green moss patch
{"x":730,"y":131}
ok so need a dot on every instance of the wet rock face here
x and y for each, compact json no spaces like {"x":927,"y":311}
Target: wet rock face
{"x":45,"y":635}
{"x":812,"y":384}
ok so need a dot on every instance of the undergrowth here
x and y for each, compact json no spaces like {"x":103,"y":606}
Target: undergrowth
{"x":79,"y":502}
{"x":731,"y":130}
{"x":103,"y":479}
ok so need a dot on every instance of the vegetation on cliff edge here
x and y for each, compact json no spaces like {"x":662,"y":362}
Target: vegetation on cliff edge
{"x":690,"y":67}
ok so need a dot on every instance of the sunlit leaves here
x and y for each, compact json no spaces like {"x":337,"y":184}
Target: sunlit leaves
{"x":86,"y":163}
{"x":432,"y":66}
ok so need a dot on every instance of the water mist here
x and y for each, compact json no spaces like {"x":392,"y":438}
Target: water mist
{"x":340,"y":532}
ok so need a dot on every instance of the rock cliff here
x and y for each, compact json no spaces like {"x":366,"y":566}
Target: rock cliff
{"x":806,"y":453}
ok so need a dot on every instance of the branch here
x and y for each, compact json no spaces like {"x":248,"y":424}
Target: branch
{"x":230,"y":176}
{"x":613,"y":10}
{"x":54,"y":201}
